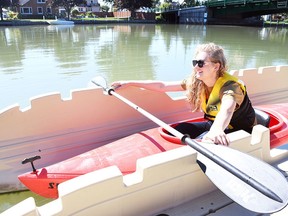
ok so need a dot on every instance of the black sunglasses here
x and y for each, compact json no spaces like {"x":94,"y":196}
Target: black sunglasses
{"x":199,"y":62}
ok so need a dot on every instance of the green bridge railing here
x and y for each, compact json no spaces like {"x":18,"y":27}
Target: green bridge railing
{"x":218,"y":3}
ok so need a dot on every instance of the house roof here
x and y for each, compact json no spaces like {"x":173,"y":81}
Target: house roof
{"x":22,"y":2}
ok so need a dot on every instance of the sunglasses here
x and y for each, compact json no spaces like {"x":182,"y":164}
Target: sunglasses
{"x":199,"y":62}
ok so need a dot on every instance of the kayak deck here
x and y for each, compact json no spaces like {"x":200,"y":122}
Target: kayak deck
{"x":125,"y":152}
{"x":174,"y":174}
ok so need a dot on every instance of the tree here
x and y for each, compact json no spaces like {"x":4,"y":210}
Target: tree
{"x":67,"y":4}
{"x":131,"y":5}
{"x":190,"y":3}
{"x":165,"y":5}
{"x":105,"y":8}
{"x":156,"y":3}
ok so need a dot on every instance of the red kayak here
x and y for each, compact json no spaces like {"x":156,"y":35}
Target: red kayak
{"x":126,"y":151}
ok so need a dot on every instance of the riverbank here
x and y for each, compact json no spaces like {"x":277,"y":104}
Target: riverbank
{"x":77,"y":22}
{"x":113,"y":21}
{"x":22,"y":23}
{"x":276,"y":24}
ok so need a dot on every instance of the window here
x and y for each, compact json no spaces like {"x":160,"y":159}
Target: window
{"x":48,"y":10}
{"x":41,"y":1}
{"x":39,"y":10}
{"x":62,"y":11}
{"x":26,"y":10}
{"x":81,"y":9}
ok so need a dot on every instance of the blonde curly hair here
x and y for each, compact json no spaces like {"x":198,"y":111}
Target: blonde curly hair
{"x":195,"y":87}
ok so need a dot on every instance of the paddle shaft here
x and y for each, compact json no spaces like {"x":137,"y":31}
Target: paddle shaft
{"x":201,"y":149}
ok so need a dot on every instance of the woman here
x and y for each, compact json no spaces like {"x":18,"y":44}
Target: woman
{"x":221,"y":96}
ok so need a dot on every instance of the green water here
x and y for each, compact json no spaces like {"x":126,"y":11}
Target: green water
{"x":40,"y":59}
{"x":7,"y":200}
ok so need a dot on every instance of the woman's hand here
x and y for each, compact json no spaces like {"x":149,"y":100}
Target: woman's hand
{"x":217,"y":137}
{"x":119,"y":84}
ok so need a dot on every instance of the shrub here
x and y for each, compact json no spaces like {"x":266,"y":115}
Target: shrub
{"x":75,"y":13}
{"x":13,"y":15}
{"x":89,"y":14}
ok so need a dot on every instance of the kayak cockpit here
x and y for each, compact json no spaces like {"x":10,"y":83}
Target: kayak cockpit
{"x":271,"y":120}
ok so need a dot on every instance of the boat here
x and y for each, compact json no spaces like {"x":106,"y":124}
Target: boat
{"x":167,"y":182}
{"x":60,"y":22}
{"x":125,"y":152}
{"x":82,"y":123}
{"x":58,"y":128}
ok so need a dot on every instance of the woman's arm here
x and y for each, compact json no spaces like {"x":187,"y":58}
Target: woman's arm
{"x":159,"y":86}
{"x":221,"y":122}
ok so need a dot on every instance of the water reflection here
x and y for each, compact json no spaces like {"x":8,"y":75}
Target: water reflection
{"x":115,"y":46}
{"x":60,"y":58}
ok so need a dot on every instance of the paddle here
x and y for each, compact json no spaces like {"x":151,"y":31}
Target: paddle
{"x":250,"y":182}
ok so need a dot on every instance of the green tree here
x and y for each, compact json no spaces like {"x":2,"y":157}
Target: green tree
{"x":131,"y":5}
{"x":156,"y":3}
{"x":165,"y":5}
{"x":67,"y":4}
{"x":105,"y":8}
{"x":190,"y":3}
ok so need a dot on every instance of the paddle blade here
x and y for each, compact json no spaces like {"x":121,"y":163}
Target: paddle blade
{"x":238,"y":190}
{"x":98,"y":81}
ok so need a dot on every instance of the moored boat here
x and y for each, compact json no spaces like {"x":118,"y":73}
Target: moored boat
{"x":60,"y":22}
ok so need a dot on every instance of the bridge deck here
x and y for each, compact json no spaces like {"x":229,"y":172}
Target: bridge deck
{"x":216,"y":3}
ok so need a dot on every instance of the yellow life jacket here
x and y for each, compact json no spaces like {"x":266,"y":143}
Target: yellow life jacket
{"x":211,"y":106}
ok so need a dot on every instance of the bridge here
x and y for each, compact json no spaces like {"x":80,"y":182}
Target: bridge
{"x":225,"y":11}
{"x":245,"y":8}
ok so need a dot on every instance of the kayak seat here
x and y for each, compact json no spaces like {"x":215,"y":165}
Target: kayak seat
{"x":262,"y":118}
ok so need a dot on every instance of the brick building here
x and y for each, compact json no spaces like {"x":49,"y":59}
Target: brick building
{"x":40,"y":8}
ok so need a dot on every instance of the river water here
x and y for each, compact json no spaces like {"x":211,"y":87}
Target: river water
{"x":35,"y":60}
